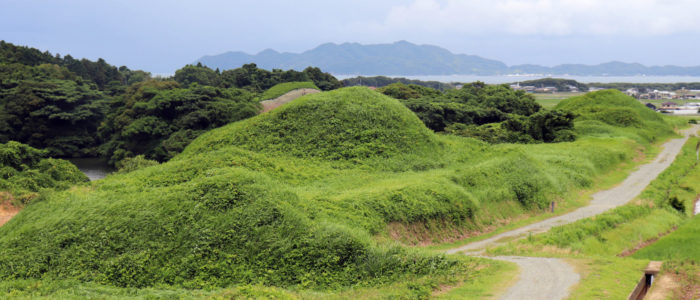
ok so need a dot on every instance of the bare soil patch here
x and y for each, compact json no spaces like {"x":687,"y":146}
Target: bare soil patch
{"x":7,"y":210}
{"x":269,"y":105}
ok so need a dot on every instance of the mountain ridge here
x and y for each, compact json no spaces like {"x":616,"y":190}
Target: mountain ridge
{"x":405,"y":58}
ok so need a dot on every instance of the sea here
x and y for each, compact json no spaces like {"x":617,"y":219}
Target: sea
{"x":499,"y":79}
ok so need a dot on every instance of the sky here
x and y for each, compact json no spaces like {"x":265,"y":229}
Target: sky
{"x":161,"y":36}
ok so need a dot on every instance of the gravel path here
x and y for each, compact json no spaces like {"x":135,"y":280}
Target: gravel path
{"x":269,"y":105}
{"x":549,"y":278}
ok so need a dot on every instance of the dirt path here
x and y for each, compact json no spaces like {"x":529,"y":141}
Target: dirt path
{"x":269,"y":105}
{"x":547,"y":274}
{"x":552,"y":276}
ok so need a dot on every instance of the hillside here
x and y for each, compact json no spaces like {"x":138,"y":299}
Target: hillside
{"x":297,"y":197}
{"x":404,"y":58}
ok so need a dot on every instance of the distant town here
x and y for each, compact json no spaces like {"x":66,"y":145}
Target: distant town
{"x":678,"y":100}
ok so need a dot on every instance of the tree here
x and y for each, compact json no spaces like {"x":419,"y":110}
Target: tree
{"x":159,"y":118}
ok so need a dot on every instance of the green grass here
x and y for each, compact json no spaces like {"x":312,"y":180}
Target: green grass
{"x":595,"y":243}
{"x":303,"y":199}
{"x":490,"y":276}
{"x":607,"y":278}
{"x":283,"y":88}
{"x":486,"y":283}
{"x":683,"y":244}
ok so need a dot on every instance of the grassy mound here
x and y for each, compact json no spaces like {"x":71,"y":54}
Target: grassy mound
{"x":345,"y":124}
{"x":216,"y":215}
{"x":286,"y":87}
{"x":610,"y":113}
{"x":296,"y":198}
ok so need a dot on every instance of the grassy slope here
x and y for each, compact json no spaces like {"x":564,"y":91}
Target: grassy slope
{"x":595,"y":243}
{"x":292,"y":198}
{"x":682,"y":244}
{"x":285,"y":87}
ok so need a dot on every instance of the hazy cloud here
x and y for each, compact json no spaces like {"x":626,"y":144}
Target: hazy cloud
{"x":545,"y":17}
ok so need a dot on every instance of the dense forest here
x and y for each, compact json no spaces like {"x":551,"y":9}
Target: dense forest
{"x":493,"y":113}
{"x":81,"y":108}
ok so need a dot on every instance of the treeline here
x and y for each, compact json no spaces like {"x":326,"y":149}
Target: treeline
{"x":559,"y":83}
{"x":81,"y":108}
{"x":382,"y":81}
{"x":493,"y":113}
{"x":562,"y":85}
{"x":104,"y":75}
{"x":648,"y":87}
{"x":252,"y":78}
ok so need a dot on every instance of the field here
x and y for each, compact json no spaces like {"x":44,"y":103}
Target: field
{"x":315,"y":197}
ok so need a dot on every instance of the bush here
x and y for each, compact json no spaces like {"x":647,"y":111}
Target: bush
{"x":24,"y":171}
{"x":131,"y":164}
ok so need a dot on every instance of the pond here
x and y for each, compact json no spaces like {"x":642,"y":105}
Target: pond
{"x":94,"y":168}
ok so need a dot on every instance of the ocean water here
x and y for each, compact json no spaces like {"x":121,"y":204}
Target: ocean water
{"x":498,"y":79}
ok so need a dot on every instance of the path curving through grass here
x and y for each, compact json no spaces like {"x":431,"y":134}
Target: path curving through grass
{"x":551,"y":278}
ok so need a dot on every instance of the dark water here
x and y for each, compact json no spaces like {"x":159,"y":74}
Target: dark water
{"x":94,"y":168}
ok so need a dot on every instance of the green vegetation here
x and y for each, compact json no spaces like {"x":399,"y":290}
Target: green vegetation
{"x":607,"y":278}
{"x":283,"y":88}
{"x":550,"y":100}
{"x":106,"y":77}
{"x":558,"y":83}
{"x":648,"y":87}
{"x":306,"y":201}
{"x":251,"y":78}
{"x":80,"y":108}
{"x":609,"y":113}
{"x":51,"y":108}
{"x":382,"y":81}
{"x":26,"y":171}
{"x":411,"y":91}
{"x":472,"y":285}
{"x":293,"y":199}
{"x":495,"y":114}
{"x":158,"y":119}
{"x":597,"y":242}
{"x":681,"y":245}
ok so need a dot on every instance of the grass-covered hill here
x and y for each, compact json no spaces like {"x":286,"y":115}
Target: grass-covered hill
{"x":298,"y":198}
{"x":355,"y":123}
{"x":609,"y":113}
{"x":285,"y":87}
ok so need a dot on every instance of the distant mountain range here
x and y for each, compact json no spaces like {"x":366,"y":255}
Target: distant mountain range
{"x":404,"y":58}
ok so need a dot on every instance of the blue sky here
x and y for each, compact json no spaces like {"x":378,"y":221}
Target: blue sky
{"x":161,"y":36}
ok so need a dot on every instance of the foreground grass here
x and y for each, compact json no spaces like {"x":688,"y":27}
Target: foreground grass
{"x":607,"y":278}
{"x":486,"y":277}
{"x":681,"y":245}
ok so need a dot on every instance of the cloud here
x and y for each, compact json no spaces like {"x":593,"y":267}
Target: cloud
{"x":543,"y":17}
